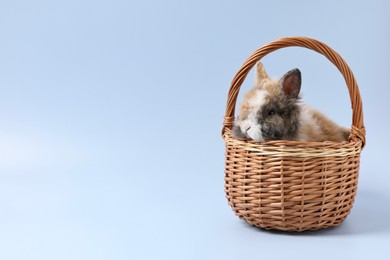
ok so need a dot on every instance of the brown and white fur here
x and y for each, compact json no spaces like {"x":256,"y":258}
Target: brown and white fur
{"x":272,"y":110}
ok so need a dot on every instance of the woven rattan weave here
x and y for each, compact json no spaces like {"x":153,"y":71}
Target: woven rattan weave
{"x":293,"y":186}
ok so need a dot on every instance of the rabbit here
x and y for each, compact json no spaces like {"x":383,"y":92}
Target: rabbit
{"x":272,"y":110}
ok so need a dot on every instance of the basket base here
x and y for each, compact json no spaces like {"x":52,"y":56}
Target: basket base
{"x":313,"y":221}
{"x":295,"y":226}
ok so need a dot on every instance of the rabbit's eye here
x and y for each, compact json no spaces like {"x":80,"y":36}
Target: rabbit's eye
{"x":271,"y":112}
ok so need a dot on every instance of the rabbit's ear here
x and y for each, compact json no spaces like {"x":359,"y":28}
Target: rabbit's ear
{"x":261,"y":75}
{"x":290,"y":83}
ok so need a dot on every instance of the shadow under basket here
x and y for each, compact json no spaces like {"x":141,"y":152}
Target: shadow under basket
{"x":293,"y":186}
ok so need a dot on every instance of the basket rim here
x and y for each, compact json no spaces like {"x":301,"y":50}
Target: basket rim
{"x":358,"y":131}
{"x":285,"y":148}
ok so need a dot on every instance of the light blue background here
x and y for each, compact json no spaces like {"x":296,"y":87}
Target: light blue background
{"x":110,"y":120}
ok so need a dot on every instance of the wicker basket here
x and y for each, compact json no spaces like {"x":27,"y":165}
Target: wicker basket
{"x":293,"y":186}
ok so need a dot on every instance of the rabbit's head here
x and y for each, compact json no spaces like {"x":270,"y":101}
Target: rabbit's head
{"x":270,"y":111}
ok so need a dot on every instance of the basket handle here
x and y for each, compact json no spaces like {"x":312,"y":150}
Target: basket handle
{"x":357,"y":131}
